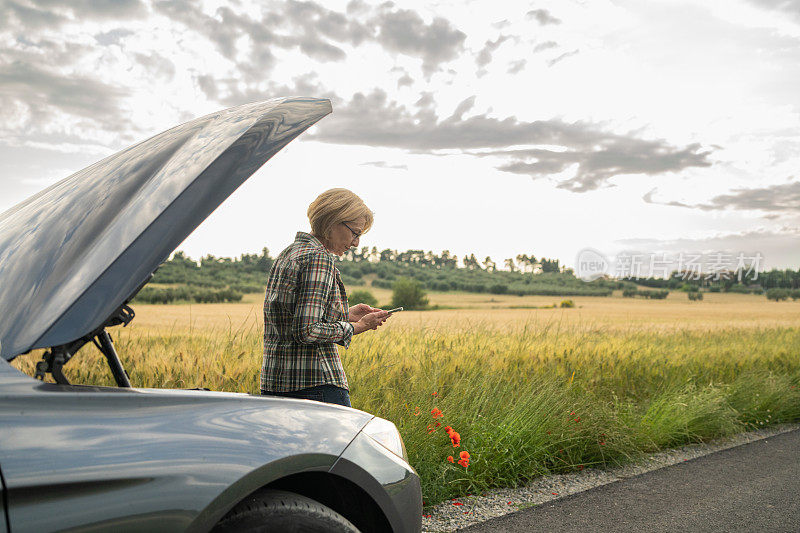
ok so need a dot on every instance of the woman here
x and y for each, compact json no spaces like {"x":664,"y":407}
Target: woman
{"x":305,"y":308}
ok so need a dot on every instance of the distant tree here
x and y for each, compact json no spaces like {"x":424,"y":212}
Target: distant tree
{"x":510,"y":264}
{"x":470,"y":263}
{"x":388,"y":255}
{"x":550,"y":265}
{"x":409,"y":294}
{"x":778,"y":294}
{"x":489,"y":265}
{"x":524,"y":263}
{"x":362,"y":297}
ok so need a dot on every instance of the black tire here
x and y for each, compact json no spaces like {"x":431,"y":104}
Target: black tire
{"x":278,"y":511}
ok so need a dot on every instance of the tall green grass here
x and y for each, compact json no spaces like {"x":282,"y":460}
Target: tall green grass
{"x":533,"y":400}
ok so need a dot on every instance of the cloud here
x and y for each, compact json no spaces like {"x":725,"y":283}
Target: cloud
{"x":112,"y":37}
{"x":384,"y":164}
{"x":544,"y":46}
{"x":405,"y":81}
{"x":517,"y":66}
{"x":542,"y":16}
{"x":319,"y":32}
{"x":485,"y":55}
{"x":51,"y":14}
{"x":156,"y":64}
{"x":778,"y":247}
{"x":405,"y":31}
{"x":790,"y":7}
{"x":464,"y":106}
{"x":40,"y":90}
{"x":14,"y":14}
{"x":561,"y":58}
{"x":96,"y":9}
{"x":375,"y":120}
{"x":614,"y":155}
{"x":774,"y":199}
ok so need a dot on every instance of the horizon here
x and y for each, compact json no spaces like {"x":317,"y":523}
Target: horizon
{"x":535,"y":268}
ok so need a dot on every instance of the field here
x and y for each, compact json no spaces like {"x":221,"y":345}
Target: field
{"x":529,"y":390}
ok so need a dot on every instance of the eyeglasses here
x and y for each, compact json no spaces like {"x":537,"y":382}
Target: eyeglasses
{"x":355,"y":235}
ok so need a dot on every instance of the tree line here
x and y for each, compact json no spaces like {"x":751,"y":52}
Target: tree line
{"x":211,"y":278}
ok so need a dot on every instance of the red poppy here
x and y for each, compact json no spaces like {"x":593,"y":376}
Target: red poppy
{"x":578,"y":419}
{"x":457,"y":503}
{"x":464,"y":455}
{"x":434,"y":394}
{"x":450,"y":458}
{"x":436,"y":412}
{"x":448,"y":429}
{"x":438,"y":424}
{"x":455,"y":438}
{"x":416,"y":412}
{"x":464,"y":462}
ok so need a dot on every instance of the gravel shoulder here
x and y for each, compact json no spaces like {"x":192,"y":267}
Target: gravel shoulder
{"x":463,"y":512}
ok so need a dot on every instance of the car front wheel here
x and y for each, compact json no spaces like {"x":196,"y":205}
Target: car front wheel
{"x":280,"y":511}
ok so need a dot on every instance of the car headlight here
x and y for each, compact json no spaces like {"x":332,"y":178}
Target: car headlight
{"x":385,"y":433}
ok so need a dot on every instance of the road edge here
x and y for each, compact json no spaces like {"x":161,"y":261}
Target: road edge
{"x":462,"y":512}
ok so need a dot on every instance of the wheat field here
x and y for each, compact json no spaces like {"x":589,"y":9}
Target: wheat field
{"x":528,"y":391}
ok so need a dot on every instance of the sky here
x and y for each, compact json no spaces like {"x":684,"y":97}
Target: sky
{"x":650,"y":129}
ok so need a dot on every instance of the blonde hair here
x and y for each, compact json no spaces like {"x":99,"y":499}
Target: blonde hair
{"x":335,"y":206}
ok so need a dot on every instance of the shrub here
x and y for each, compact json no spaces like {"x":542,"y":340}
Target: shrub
{"x":567,"y":303}
{"x":695,"y":295}
{"x":777,"y":294}
{"x":498,"y":288}
{"x":408,"y":293}
{"x":382,"y":283}
{"x":247,"y":288}
{"x":216,"y":296}
{"x":152,"y":295}
{"x":655,"y":295}
{"x":739,"y":288}
{"x":362,"y":297}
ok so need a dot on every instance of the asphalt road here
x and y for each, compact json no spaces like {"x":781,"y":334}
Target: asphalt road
{"x":753,"y":487}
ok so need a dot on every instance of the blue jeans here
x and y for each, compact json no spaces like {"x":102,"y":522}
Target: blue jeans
{"x":320,"y":393}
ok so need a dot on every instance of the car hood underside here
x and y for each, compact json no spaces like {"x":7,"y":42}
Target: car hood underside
{"x":71,"y":255}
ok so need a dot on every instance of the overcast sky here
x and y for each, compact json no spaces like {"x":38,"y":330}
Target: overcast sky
{"x":494,"y":128}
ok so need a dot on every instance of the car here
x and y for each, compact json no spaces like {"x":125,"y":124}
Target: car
{"x":90,"y":458}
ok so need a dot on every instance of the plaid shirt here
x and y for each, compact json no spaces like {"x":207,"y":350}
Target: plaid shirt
{"x":305,"y":316}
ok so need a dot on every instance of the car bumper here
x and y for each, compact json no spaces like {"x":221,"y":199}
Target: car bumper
{"x":388,"y":479}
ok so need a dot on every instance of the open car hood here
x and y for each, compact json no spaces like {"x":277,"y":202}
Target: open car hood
{"x":72,"y":254}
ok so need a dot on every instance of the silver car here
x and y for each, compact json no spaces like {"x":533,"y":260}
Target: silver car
{"x":87,"y":458}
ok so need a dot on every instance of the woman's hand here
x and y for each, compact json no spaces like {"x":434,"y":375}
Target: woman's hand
{"x":357,"y":312}
{"x":370,"y":321}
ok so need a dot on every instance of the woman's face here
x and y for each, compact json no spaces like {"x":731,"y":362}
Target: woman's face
{"x":344,"y":235}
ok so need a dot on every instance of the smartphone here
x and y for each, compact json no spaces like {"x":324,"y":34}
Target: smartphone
{"x":395,"y":310}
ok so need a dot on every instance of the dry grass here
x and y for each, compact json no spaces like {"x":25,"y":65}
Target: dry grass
{"x":529,"y":390}
{"x":717,"y":310}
